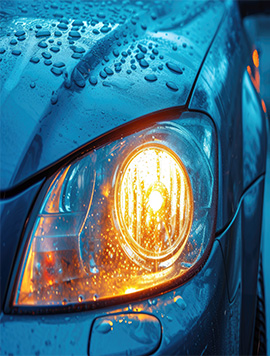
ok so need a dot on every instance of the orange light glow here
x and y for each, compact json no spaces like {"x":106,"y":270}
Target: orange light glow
{"x":130,"y":290}
{"x":255,"y":79}
{"x":263,"y":106}
{"x":154,"y":204}
{"x":155,"y":200}
{"x":255,"y":58}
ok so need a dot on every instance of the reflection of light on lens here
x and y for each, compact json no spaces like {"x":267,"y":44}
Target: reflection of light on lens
{"x":130,"y":290}
{"x":154,"y":203}
{"x":155,"y":200}
{"x":255,"y":58}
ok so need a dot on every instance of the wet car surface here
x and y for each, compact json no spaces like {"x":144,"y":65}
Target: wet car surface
{"x":79,"y":78}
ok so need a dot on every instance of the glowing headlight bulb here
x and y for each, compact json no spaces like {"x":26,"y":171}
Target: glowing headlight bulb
{"x":154,"y":203}
{"x":155,"y":200}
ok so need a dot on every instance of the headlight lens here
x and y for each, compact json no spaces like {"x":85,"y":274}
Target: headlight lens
{"x":131,"y":215}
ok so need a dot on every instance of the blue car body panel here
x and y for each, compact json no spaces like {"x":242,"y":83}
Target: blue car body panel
{"x":65,"y":110}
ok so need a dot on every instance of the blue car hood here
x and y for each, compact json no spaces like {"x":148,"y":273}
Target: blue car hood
{"x":72,"y":71}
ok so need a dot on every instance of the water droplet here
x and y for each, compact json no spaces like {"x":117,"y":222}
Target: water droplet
{"x":142,"y":49}
{"x":78,"y":78}
{"x":74,"y":34}
{"x":101,"y":15}
{"x":33,"y":85}
{"x":172,"y":86}
{"x":105,"y":29}
{"x":150,"y":77}
{"x":21,"y":38}
{"x":2,"y":50}
{"x":102,"y":74}
{"x":16,"y":52}
{"x":62,"y":26}
{"x":58,"y":33}
{"x":19,"y":33}
{"x":56,"y":71}
{"x":174,"y":67}
{"x":42,"y":44}
{"x":59,"y":64}
{"x":47,"y":62}
{"x":180,"y":302}
{"x":67,"y":318}
{"x":34,"y":60}
{"x":80,"y":298}
{"x":169,"y":318}
{"x":43,"y":33}
{"x":76,"y":55}
{"x":144,"y":63}
{"x":13,"y":42}
{"x":93,"y":80}
{"x":55,"y":49}
{"x":139,"y":56}
{"x":108,"y":71}
{"x":104,"y":326}
{"x":46,"y":55}
{"x":64,"y":301}
{"x":77,"y":23}
{"x":78,"y":49}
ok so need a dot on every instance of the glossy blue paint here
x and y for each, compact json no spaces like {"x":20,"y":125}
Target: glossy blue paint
{"x":13,"y":215}
{"x":136,"y":334}
{"x":233,"y":104}
{"x":63,"y":110}
{"x":241,"y":246}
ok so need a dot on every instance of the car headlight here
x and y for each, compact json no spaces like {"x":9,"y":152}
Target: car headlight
{"x":134,"y":215}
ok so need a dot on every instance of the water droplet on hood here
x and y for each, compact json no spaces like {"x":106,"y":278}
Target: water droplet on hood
{"x":144,"y":63}
{"x":56,"y":71}
{"x":19,"y":33}
{"x":42,"y":44}
{"x":59,"y":64}
{"x":172,"y":86}
{"x":55,"y":49}
{"x":104,"y":326}
{"x":43,"y":33}
{"x":16,"y":52}
{"x":93,"y":80}
{"x":34,"y":60}
{"x":174,"y":67}
{"x":62,"y":26}
{"x":74,"y":34}
{"x":180,"y":302}
{"x":150,"y":77}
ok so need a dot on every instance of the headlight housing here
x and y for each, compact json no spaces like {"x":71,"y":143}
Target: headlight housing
{"x":134,"y":215}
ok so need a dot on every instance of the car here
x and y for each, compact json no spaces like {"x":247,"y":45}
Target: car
{"x":133,"y":150}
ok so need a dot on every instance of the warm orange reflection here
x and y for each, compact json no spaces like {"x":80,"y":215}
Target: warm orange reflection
{"x":263,"y":106}
{"x":255,"y":79}
{"x":255,"y":58}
